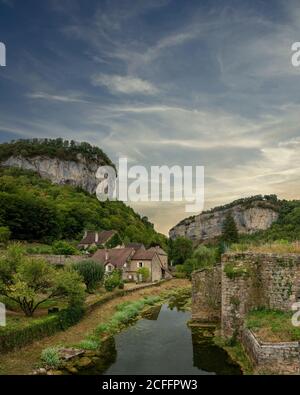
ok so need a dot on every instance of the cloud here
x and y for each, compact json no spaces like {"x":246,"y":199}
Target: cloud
{"x":75,"y":98}
{"x":124,"y":84}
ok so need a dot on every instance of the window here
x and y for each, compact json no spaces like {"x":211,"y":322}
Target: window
{"x":109,"y":268}
{"x":140,"y":264}
{"x":125,"y":264}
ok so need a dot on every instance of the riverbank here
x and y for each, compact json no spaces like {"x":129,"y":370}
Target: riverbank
{"x":24,"y":360}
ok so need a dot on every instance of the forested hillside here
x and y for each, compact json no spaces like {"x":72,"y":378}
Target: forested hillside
{"x":53,"y":148}
{"x":34,"y":209}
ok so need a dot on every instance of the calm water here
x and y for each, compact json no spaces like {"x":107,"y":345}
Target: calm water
{"x":162,"y":343}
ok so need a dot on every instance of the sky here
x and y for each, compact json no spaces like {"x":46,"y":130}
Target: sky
{"x":166,"y":82}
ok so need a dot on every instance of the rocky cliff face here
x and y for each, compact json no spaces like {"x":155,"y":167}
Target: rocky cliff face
{"x":207,"y":226}
{"x":77,"y":173}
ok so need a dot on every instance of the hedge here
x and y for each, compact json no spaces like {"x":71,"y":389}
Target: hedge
{"x":14,"y":337}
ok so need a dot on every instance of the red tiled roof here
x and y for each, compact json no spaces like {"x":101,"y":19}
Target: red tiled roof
{"x":116,"y":256}
{"x":103,"y":237}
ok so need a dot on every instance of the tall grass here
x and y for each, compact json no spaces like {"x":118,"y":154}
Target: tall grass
{"x":276,"y":247}
{"x":125,"y":314}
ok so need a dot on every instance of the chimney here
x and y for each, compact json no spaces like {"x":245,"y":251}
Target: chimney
{"x":96,"y":237}
{"x":85,"y":233}
{"x":106,"y":255}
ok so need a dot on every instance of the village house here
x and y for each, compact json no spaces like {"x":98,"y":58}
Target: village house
{"x":96,"y":238}
{"x":129,"y":260}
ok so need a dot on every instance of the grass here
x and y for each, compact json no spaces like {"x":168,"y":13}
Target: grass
{"x":125,"y":314}
{"x":277,"y":247}
{"x":272,"y":325}
{"x":50,"y":357}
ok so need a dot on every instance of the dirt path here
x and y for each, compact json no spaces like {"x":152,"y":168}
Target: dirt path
{"x":22,"y":361}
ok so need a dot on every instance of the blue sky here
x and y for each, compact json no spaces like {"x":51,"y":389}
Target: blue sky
{"x":161,"y":82}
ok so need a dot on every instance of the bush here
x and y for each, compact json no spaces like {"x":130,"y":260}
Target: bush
{"x":91,"y":272}
{"x":50,"y":357}
{"x":179,"y":275}
{"x":5,"y":234}
{"x":112,"y":281}
{"x":12,"y":337}
{"x":63,"y":248}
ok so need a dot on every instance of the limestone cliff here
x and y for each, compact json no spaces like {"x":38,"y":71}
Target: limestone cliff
{"x":249,"y":218}
{"x":79,"y":173}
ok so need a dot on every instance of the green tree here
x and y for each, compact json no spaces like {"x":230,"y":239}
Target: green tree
{"x":29,"y":282}
{"x":180,"y":250}
{"x":203,"y":257}
{"x":92,"y":273}
{"x":63,"y":248}
{"x":229,"y":231}
{"x":113,"y":280}
{"x":145,"y":273}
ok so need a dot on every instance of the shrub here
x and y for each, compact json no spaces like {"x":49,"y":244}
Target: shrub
{"x":50,"y":357}
{"x":5,"y":234}
{"x":179,"y":275}
{"x":112,"y":280}
{"x":63,"y":248}
{"x":232,"y":271}
{"x":12,"y":337}
{"x":91,"y":272}
{"x":179,"y":269}
{"x":145,"y":273}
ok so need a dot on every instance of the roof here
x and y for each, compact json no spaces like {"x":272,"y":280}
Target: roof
{"x":116,"y":256}
{"x":159,"y":250}
{"x":144,"y":254}
{"x":135,"y":246}
{"x":103,"y":237}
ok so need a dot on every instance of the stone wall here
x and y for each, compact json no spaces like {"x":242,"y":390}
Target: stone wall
{"x":206,"y":295}
{"x":251,"y":280}
{"x":60,"y":259}
{"x":283,"y":357}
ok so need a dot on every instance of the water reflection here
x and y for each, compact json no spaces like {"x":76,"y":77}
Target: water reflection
{"x":162,"y":343}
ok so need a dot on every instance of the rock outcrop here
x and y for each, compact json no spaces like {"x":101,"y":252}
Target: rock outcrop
{"x":79,"y":173}
{"x":207,"y":226}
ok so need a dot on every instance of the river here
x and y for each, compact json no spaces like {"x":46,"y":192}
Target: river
{"x":162,"y":343}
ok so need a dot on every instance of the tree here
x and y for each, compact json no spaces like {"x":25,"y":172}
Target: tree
{"x":145,"y":273}
{"x":29,"y":282}
{"x":63,"y":248}
{"x":113,"y":280}
{"x":92,"y":273}
{"x":203,"y":257}
{"x":229,"y":231}
{"x":180,"y":250}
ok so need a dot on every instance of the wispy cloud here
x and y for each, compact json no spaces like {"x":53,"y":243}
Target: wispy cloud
{"x":124,"y":84}
{"x":72,"y":98}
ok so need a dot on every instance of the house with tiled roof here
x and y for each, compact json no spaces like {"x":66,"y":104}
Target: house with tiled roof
{"x":129,"y":261}
{"x":97,"y":238}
